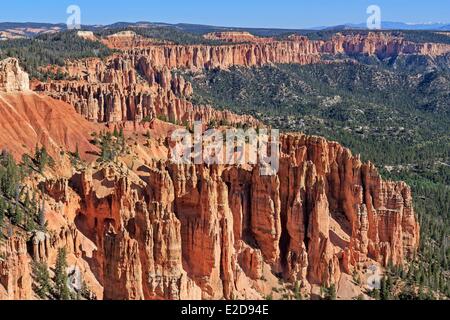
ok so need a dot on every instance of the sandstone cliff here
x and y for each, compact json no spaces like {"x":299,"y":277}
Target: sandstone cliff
{"x":127,"y":88}
{"x":28,"y":119}
{"x":295,"y":49}
{"x":146,"y":228}
{"x":15,"y":270}
{"x":156,"y":230}
{"x":139,"y":84}
{"x":129,"y":39}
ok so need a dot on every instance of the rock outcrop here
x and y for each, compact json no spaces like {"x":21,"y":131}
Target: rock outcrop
{"x":139,"y":83}
{"x":199,"y":57}
{"x":383,"y":45}
{"x":15,"y":270}
{"x":29,"y":119}
{"x":166,"y":231}
{"x":87,"y":35}
{"x":130,"y":89}
{"x":146,"y":228}
{"x":294,"y":49}
{"x":12,"y":78}
{"x":154,"y":229}
{"x":235,"y":37}
{"x":129,"y":39}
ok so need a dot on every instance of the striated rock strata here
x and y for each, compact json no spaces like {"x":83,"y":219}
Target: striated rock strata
{"x":139,"y":84}
{"x":294,"y":49}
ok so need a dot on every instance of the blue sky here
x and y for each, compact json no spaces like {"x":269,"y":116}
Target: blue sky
{"x":244,"y":13}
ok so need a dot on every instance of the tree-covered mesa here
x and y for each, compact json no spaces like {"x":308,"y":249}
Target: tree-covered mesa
{"x":417,"y":36}
{"x":21,"y":206}
{"x":51,"y":49}
{"x":164,"y":34}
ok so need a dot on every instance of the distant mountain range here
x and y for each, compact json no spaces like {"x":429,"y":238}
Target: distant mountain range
{"x":394,"y":26}
{"x":16,"y":30}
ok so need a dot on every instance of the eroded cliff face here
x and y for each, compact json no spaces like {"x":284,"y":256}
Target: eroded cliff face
{"x":127,"y":88}
{"x":139,"y":83}
{"x":211,"y":228}
{"x":129,"y":39}
{"x":158,"y":230}
{"x":247,"y":51}
{"x":146,"y":228}
{"x":15,"y":270}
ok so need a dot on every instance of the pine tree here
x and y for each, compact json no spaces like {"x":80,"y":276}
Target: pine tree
{"x":386,"y":287}
{"x":17,"y":216}
{"x":76,"y":155}
{"x":375,"y":293}
{"x":328,"y":293}
{"x":27,"y":201}
{"x":27,"y":164}
{"x":383,"y":289}
{"x":42,"y":277}
{"x":421,"y":294}
{"x":116,"y":133}
{"x":42,"y":158}
{"x":297,"y":292}
{"x":41,"y":215}
{"x":10,"y":176}
{"x":61,"y":278}
{"x":122,"y":142}
{"x":389,"y":285}
{"x":2,"y":210}
{"x":332,"y":292}
{"x":29,"y":219}
{"x":107,"y":148}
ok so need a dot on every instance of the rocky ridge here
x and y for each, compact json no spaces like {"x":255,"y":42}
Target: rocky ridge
{"x":28,"y":119}
{"x":126,"y":88}
{"x":166,"y":231}
{"x":233,"y":36}
{"x":129,"y":39}
{"x":139,"y":83}
{"x":146,"y":228}
{"x":295,"y":49}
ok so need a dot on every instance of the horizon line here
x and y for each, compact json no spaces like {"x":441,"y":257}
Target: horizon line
{"x":229,"y":26}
